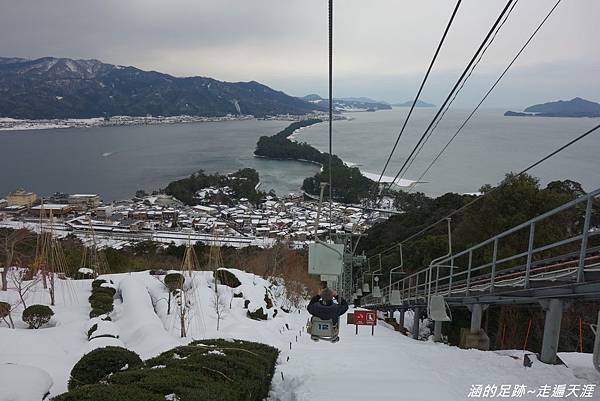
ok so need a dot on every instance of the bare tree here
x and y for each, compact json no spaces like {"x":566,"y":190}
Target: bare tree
{"x":10,"y":241}
{"x":219,"y":304}
{"x":183,"y":307}
{"x":18,"y":276}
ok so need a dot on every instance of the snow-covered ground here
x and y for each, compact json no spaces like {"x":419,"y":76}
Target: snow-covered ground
{"x":386,"y":366}
{"x":390,"y":367}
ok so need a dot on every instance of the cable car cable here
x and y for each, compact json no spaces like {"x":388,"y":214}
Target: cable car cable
{"x":456,"y":85}
{"x":487,"y":94}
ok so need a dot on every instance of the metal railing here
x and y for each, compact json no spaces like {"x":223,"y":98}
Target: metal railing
{"x":444,"y":276}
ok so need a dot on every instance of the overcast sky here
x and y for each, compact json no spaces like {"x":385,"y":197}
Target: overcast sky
{"x":382,"y":47}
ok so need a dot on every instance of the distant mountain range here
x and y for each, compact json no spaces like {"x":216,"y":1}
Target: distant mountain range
{"x":348,"y":103}
{"x":419,"y":103}
{"x":51,"y":87}
{"x":576,"y":107}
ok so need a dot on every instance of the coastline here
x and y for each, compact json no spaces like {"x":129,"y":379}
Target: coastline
{"x":403,"y":183}
{"x":8,"y":124}
{"x":290,"y":159}
{"x":13,"y":124}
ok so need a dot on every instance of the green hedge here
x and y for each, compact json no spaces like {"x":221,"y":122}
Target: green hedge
{"x":100,"y":363}
{"x":210,"y":370}
{"x":101,"y":299}
{"x":97,"y":392}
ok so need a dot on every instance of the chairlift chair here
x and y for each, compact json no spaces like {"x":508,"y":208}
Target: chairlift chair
{"x":359,"y":293}
{"x":376,"y":293}
{"x":438,"y":309}
{"x":395,"y":297}
{"x":366,"y":288}
{"x":326,"y":330}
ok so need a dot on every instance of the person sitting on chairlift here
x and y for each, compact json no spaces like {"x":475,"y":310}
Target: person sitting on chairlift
{"x":327,"y":305}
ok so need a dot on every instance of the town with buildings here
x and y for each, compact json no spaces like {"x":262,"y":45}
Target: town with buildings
{"x":11,"y":124}
{"x":164,"y":219}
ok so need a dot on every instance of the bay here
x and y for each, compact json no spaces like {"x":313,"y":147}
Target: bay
{"x":116,"y":161}
{"x":487,"y":148}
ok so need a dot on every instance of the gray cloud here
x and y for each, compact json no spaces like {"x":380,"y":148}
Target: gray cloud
{"x":382,"y":47}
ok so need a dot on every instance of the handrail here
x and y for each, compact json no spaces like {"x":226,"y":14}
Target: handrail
{"x":414,"y":287}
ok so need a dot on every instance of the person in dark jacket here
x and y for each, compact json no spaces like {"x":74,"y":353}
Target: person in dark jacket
{"x":324,"y":307}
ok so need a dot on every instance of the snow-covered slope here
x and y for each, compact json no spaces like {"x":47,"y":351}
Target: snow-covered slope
{"x":390,"y":367}
{"x":386,"y":366}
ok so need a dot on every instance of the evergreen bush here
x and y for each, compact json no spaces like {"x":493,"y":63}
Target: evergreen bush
{"x":101,"y":299}
{"x":100,"y":363}
{"x":99,"y":312}
{"x":37,"y":315}
{"x":4,"y":309}
{"x":174,"y":281}
{"x":258,"y":314}
{"x":103,"y":392}
{"x":100,"y":296}
{"x":99,"y":281}
{"x":215,"y":370}
{"x":227,"y":278}
{"x":102,"y":304}
{"x":104,"y":290}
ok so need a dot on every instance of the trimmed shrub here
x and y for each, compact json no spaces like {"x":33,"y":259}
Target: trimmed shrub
{"x":227,"y":278}
{"x":83,"y":276}
{"x":100,"y":363}
{"x":99,"y":281}
{"x":212,"y":370}
{"x":4,"y":309}
{"x":37,"y":315}
{"x":98,"y":313}
{"x":102,"y":298}
{"x":174,"y":281}
{"x":103,"y":392}
{"x":104,"y":290}
{"x":208,"y":370}
{"x":258,"y":314}
{"x":103,"y":304}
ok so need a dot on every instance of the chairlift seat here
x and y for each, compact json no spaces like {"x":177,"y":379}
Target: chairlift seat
{"x":320,"y":329}
{"x":376,"y":292}
{"x":438,"y":309}
{"x":395,"y":297}
{"x":366,"y":288}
